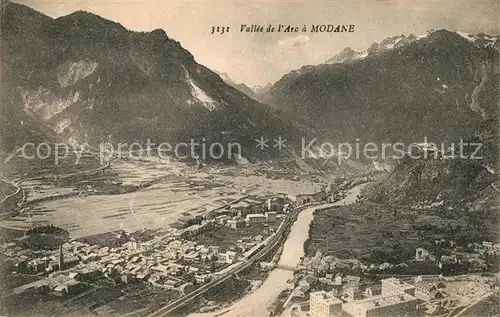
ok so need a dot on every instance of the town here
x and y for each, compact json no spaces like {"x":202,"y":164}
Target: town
{"x":328,"y":286}
{"x":150,"y":169}
{"x":45,"y":262}
{"x":170,"y":260}
{"x":199,"y":250}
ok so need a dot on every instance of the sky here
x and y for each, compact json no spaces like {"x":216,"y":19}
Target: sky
{"x":259,"y":58}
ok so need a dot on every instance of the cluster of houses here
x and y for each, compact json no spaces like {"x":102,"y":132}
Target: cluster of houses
{"x":349,"y":297}
{"x":342,"y":291}
{"x":255,"y":210}
{"x":345,"y":295}
{"x":450,"y":258}
{"x":445,"y":258}
{"x":167,"y":261}
{"x":170,"y":261}
{"x":250,"y":211}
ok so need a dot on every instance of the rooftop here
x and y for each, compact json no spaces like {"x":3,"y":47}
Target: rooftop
{"x":328,"y":297}
{"x":256,"y":216}
{"x":381,"y":301}
{"x":240,"y":204}
{"x":401,"y":284}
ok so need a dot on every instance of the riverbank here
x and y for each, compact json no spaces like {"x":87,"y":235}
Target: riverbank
{"x":257,"y":303}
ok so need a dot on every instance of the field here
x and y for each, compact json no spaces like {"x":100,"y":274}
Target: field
{"x":376,"y":233}
{"x":46,"y":164}
{"x":36,"y":189}
{"x":137,"y":172}
{"x":153,"y":208}
{"x":268,"y":179}
{"x":53,"y":177}
{"x":177,"y":190}
{"x":261,"y":185}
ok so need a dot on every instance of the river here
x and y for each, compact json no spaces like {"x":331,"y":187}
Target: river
{"x":256,"y":303}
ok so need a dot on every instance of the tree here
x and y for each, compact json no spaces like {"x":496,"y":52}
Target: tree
{"x":213,"y":262}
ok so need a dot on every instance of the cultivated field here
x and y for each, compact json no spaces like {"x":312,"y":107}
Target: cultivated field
{"x":178,"y":191}
{"x":153,"y":208}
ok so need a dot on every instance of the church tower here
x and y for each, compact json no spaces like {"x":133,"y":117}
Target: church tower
{"x":61,"y":258}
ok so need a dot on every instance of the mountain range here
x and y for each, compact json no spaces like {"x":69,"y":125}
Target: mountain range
{"x":86,"y":79}
{"x":441,"y":85}
{"x":349,"y":55}
{"x":255,"y":91}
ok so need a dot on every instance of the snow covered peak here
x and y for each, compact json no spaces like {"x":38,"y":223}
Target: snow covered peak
{"x":347,"y":55}
{"x":396,"y":41}
{"x":426,"y":34}
{"x":260,"y":89}
{"x":480,"y":39}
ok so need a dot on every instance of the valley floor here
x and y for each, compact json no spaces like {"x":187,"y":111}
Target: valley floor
{"x":183,"y":192}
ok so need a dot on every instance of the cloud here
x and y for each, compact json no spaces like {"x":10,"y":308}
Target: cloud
{"x":290,"y":47}
{"x":291,"y":42}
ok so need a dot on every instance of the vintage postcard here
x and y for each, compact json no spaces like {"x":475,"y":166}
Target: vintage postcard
{"x":235,"y":158}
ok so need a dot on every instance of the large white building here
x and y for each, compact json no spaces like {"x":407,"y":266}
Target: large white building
{"x":393,"y":286}
{"x":397,"y":298}
{"x":324,"y":304}
{"x":256,"y":218}
{"x":384,"y":306}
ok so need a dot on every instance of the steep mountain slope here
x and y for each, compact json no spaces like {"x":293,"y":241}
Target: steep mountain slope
{"x":441,"y":85}
{"x":261,"y":90}
{"x":405,"y":88}
{"x":449,"y":182}
{"x":240,"y":86}
{"x":87,"y":79}
{"x":461,"y":180}
{"x":255,"y":92}
{"x":453,"y":189}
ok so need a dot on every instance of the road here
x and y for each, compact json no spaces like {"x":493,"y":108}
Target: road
{"x":278,"y":238}
{"x":258,"y":302}
{"x":19,"y":188}
{"x":477,"y":301}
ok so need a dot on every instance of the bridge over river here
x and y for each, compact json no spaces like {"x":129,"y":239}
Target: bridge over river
{"x":256,"y":303}
{"x":285,"y":267}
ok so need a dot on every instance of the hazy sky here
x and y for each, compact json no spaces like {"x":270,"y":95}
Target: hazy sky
{"x":258,"y":58}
